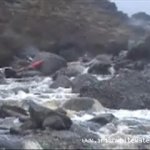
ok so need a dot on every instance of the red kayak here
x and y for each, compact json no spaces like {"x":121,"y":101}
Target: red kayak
{"x":36,"y":64}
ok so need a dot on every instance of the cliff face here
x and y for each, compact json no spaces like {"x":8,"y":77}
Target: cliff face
{"x":90,"y":25}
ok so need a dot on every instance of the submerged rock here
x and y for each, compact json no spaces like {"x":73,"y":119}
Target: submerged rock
{"x":61,"y":81}
{"x":103,"y":119}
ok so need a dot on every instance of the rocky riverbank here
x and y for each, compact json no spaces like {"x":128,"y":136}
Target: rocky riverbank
{"x":92,"y":89}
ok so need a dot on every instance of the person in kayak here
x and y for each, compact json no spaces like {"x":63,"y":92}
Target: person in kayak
{"x":33,"y":66}
{"x":9,"y":72}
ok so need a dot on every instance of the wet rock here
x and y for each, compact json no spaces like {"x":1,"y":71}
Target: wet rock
{"x":51,"y":64}
{"x":10,"y":73}
{"x":7,"y":142}
{"x":121,"y":64}
{"x":30,"y":73}
{"x":138,"y":65}
{"x":28,"y":124}
{"x":83,"y":80}
{"x":83,"y":104}
{"x":81,"y":129}
{"x":73,"y":69}
{"x":100,"y":68}
{"x":100,"y":64}
{"x":63,"y":139}
{"x":120,"y":61}
{"x":140,"y":51}
{"x":55,"y":122}
{"x":61,"y":81}
{"x":115,"y":47}
{"x":9,"y":122}
{"x":14,"y":111}
{"x":44,"y":117}
{"x":103,"y":119}
{"x":14,"y":142}
{"x":128,"y":90}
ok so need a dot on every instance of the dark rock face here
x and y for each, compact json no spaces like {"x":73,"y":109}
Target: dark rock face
{"x":141,"y":51}
{"x":69,"y":51}
{"x":83,"y":80}
{"x":44,"y":117}
{"x":61,"y":81}
{"x":51,"y":64}
{"x":10,"y":73}
{"x":129,"y":90}
{"x":103,"y":119}
{"x":32,"y":20}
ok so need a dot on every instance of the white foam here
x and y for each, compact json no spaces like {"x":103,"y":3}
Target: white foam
{"x":85,"y":117}
{"x":39,"y":89}
{"x":141,"y":114}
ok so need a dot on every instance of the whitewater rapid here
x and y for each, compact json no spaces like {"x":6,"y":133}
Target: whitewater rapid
{"x":38,"y":89}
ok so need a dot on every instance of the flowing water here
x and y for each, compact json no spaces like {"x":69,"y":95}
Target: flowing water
{"x":130,"y":128}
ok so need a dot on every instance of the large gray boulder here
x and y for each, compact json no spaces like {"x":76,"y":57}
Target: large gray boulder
{"x":83,"y":104}
{"x":51,"y":64}
{"x":44,"y":117}
{"x":83,"y":80}
{"x":128,"y":90}
{"x":61,"y":81}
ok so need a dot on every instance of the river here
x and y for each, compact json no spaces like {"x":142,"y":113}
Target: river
{"x":130,"y":127}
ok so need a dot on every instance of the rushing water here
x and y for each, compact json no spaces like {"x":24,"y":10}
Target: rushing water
{"x":135,"y":124}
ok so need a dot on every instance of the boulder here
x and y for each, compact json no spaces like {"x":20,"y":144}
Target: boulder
{"x":51,"y":64}
{"x":140,"y":51}
{"x":65,"y":139}
{"x":12,"y":111}
{"x":83,"y":80}
{"x":100,"y":64}
{"x":61,"y":81}
{"x":69,"y":72}
{"x":114,"y":47}
{"x":103,"y":119}
{"x":100,"y":68}
{"x":73,"y":69}
{"x":10,"y":73}
{"x":128,"y":90}
{"x":44,"y":117}
{"x":30,"y":73}
{"x":83,"y":104}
